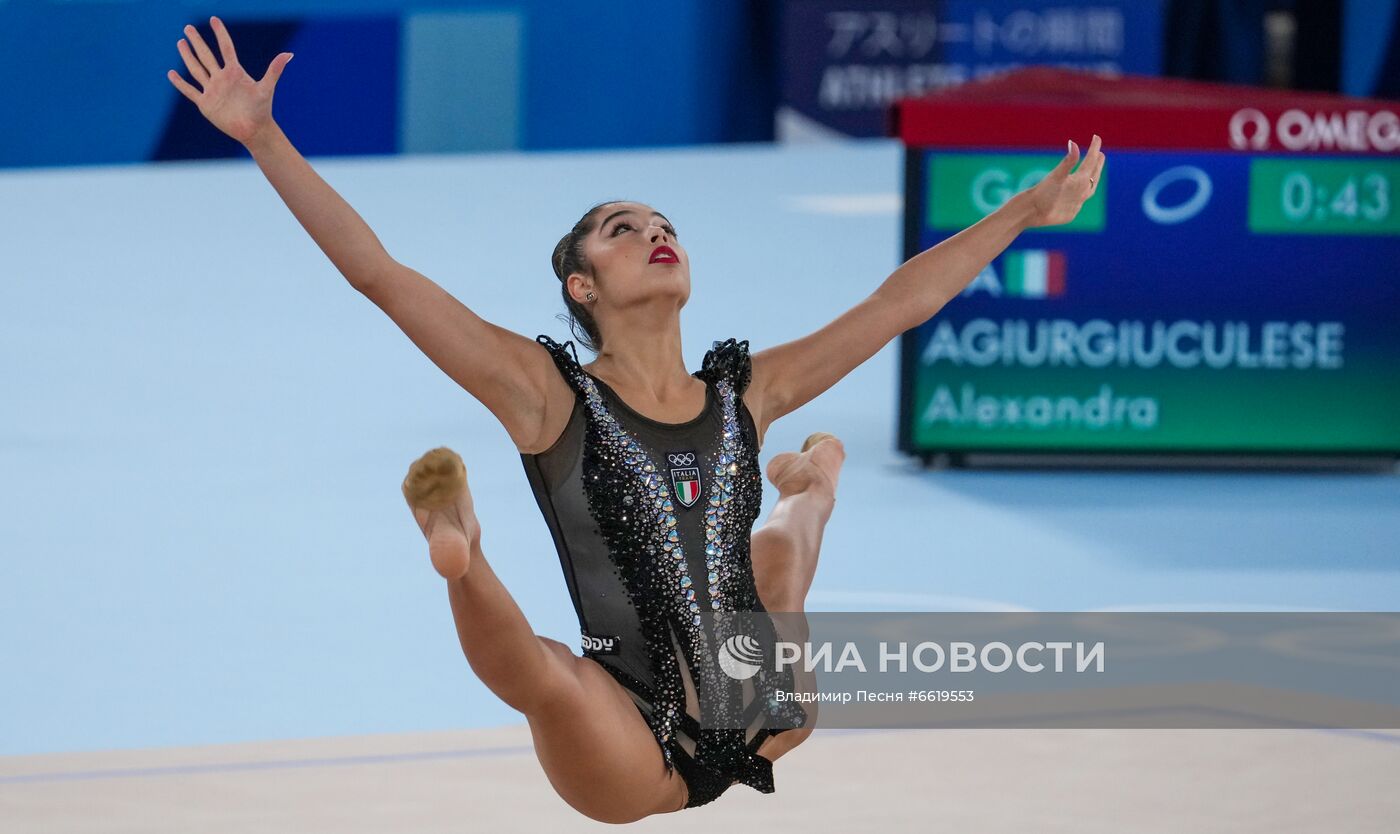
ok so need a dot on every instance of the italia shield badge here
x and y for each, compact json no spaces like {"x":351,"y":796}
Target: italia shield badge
{"x":685,"y":477}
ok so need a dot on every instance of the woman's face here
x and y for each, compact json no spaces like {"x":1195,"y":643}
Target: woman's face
{"x":635,"y":257}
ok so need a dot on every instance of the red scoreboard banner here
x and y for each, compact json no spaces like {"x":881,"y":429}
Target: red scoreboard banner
{"x":1039,"y":108}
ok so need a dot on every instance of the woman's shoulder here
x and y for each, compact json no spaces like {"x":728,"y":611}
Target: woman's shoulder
{"x":565,"y":358}
{"x":728,"y":360}
{"x":562,"y":398}
{"x":563,"y":353}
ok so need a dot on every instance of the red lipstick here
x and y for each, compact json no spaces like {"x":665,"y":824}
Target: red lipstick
{"x":664,"y":255}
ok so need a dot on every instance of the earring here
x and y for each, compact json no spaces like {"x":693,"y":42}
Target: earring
{"x":590,"y":295}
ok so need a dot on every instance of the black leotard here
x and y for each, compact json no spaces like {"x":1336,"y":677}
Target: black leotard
{"x":652,"y":523}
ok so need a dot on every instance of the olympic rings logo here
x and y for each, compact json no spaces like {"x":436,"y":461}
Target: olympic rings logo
{"x":681,"y":458}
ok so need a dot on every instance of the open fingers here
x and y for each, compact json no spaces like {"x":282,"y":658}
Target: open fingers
{"x":1098,"y":167}
{"x":1066,"y":163}
{"x":1092,"y":168}
{"x":197,"y":70}
{"x":274,"y":70}
{"x":183,"y":86}
{"x":1090,"y":158}
{"x":201,"y":49}
{"x":225,"y":42}
{"x":1093,"y":161}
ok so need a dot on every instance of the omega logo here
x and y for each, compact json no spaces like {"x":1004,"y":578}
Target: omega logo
{"x":1253,"y":119}
{"x":1300,"y":130}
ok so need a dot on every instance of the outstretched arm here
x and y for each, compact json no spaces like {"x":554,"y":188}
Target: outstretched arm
{"x":510,"y":374}
{"x":789,"y":375}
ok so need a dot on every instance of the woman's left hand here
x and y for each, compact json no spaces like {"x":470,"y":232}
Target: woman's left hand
{"x":1058,"y":198}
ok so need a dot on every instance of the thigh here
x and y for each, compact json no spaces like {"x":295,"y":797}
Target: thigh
{"x":784,"y":557}
{"x":772,"y":566}
{"x":770,"y":554}
{"x":597,"y":750}
{"x":804,"y":680}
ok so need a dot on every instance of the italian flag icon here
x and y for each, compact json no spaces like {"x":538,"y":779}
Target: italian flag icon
{"x":686,"y":480}
{"x":1034,"y":273}
{"x":687,"y":489}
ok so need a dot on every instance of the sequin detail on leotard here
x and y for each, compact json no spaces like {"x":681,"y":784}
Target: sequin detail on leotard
{"x":630,"y":501}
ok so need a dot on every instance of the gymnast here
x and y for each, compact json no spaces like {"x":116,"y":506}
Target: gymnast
{"x":647,"y":475}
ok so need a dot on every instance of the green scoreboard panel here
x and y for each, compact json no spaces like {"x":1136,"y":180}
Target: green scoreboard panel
{"x":1201,"y":303}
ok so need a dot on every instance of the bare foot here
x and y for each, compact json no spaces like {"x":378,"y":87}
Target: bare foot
{"x":817,"y":466}
{"x":436,"y":492}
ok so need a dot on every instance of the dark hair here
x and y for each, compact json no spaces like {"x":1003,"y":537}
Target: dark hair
{"x":569,"y":258}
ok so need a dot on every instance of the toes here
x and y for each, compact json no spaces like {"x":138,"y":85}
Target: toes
{"x":776,"y":466}
{"x":825,"y":447}
{"x":435,"y":479}
{"x":831,"y":449}
{"x":436,"y":491}
{"x":821,"y":448}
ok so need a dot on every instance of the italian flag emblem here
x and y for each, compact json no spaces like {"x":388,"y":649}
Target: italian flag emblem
{"x":685,"y":476}
{"x":687,"y":483}
{"x":1034,"y":273}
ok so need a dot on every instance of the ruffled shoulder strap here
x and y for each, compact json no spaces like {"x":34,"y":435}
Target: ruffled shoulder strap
{"x":565,"y":358}
{"x":727,"y":360}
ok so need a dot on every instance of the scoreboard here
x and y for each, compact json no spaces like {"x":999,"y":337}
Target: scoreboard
{"x":1217,"y":301}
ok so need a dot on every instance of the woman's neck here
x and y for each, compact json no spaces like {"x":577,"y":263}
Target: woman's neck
{"x":646,"y":360}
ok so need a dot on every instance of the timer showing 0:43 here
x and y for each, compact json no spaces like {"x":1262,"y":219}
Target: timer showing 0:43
{"x":1323,"y":196}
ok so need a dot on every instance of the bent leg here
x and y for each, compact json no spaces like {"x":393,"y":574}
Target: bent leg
{"x":785,"y":551}
{"x":594,"y":723}
{"x":595,"y":747}
{"x":500,"y":646}
{"x":497,"y":640}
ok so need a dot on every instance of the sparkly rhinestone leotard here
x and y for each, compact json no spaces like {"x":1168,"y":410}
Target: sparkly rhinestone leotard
{"x":652,"y":523}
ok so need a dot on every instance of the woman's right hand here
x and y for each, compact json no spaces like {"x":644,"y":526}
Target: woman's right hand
{"x":231,"y":100}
